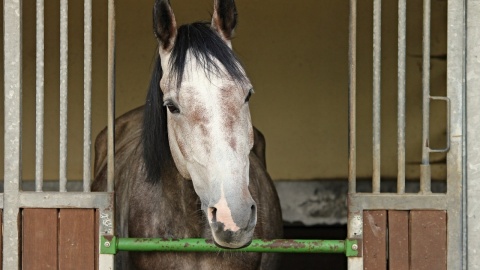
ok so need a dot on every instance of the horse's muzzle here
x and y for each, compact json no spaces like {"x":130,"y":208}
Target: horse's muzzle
{"x":229,"y":236}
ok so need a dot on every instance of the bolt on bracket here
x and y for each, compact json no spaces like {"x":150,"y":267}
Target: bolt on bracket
{"x":353,"y":248}
{"x":108,"y":244}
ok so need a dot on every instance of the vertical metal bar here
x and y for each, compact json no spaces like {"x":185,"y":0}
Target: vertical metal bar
{"x":354,"y":225}
{"x":111,"y":95}
{"x":12,"y":68}
{"x":39,"y":108}
{"x":377,"y":46}
{"x":402,"y":19}
{"x":472,"y":187}
{"x":352,"y":59}
{"x":456,"y":157}
{"x":425,"y":172}
{"x":63,"y":92}
{"x":87,"y":94}
{"x":107,"y":219}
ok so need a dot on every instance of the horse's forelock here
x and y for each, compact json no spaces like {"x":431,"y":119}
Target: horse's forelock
{"x":206,"y":46}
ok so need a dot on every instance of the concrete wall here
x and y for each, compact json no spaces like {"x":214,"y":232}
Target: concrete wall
{"x":295,"y":53}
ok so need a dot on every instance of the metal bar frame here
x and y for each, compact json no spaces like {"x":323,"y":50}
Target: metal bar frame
{"x":425,"y":170}
{"x":63,"y":94}
{"x":111,"y":96}
{"x":100,"y":200}
{"x":451,"y":201}
{"x":87,"y":96}
{"x":39,"y":107}
{"x":352,"y":91}
{"x":13,"y":199}
{"x":113,"y":245}
{"x":354,"y":228}
{"x":402,"y":26}
{"x":455,"y":156}
{"x":377,"y":103}
{"x":107,"y":226}
{"x":12,"y":16}
{"x":471,"y":226}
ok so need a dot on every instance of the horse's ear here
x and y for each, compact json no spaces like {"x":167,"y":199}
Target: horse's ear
{"x":164,"y":25}
{"x":224,"y":19}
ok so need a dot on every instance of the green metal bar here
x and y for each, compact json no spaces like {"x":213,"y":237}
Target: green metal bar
{"x":112,"y":246}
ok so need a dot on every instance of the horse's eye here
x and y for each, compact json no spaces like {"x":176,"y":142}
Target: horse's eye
{"x":171,"y":107}
{"x":250,"y":92}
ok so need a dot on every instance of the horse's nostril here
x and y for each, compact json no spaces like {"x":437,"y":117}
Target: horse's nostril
{"x":212,"y":214}
{"x":253,"y":216}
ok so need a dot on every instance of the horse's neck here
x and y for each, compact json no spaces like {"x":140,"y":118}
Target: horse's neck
{"x":177,"y":189}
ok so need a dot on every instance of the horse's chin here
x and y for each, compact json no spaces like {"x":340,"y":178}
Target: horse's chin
{"x":233,"y":240}
{"x":230,"y":246}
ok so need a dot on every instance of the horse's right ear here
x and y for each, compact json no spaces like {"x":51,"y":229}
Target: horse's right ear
{"x":164,"y":25}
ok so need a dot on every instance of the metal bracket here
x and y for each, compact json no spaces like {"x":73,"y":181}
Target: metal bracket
{"x":108,"y":244}
{"x":353,"y":247}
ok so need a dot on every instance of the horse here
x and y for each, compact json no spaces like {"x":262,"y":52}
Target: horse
{"x":189,"y":163}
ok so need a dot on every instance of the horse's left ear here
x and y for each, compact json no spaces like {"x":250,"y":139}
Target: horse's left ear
{"x":224,"y":19}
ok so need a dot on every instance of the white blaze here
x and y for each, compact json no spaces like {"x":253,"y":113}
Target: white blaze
{"x":224,"y":214}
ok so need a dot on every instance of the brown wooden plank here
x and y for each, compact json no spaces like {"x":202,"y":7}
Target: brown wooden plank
{"x":39,"y":238}
{"x":375,"y":240}
{"x":428,"y":240}
{"x":76,"y":239}
{"x":398,"y":240}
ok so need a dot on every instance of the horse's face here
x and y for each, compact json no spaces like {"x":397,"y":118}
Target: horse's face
{"x":209,"y":125}
{"x":209,"y":130}
{"x":210,"y":135}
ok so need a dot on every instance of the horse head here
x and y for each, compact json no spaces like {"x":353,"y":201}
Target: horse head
{"x":206,"y":91}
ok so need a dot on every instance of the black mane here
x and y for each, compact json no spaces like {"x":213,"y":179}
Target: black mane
{"x":206,"y":46}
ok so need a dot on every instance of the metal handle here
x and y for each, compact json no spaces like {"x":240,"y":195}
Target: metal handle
{"x":447,"y":100}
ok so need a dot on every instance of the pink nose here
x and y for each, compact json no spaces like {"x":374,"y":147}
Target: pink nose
{"x":221,"y":218}
{"x":229,"y":233}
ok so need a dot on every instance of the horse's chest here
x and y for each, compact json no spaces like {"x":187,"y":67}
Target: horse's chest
{"x":166,"y":215}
